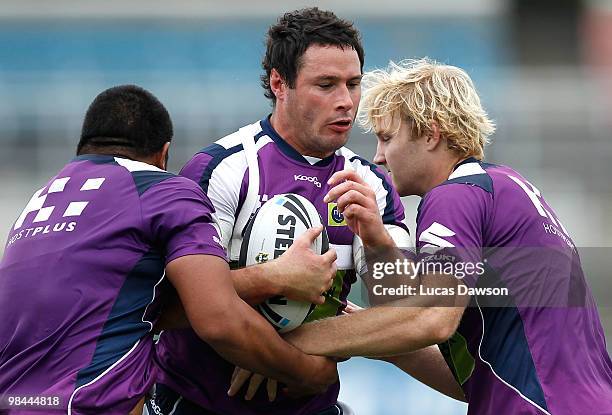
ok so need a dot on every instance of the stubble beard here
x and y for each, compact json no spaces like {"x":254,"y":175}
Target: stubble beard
{"x":324,"y":145}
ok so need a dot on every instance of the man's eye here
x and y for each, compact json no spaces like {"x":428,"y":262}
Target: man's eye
{"x":354,"y":85}
{"x":325,"y":86}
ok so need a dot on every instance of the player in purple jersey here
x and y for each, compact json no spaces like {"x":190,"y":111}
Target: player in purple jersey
{"x":82,"y":276}
{"x":534,"y":343}
{"x":313,"y":68}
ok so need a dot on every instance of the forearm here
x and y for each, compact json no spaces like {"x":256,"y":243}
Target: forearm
{"x":398,"y":327}
{"x":233,"y":328}
{"x":375,"y":332}
{"x":256,"y":283}
{"x":251,"y":343}
{"x":253,"y":284}
{"x":429,"y":367}
{"x":388,"y":268}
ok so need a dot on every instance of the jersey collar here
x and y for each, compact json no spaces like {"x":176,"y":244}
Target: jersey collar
{"x":466,"y":161}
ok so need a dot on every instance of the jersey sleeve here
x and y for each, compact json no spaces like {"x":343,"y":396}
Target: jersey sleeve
{"x":450,"y":225}
{"x":178,"y":217}
{"x":219,"y":172}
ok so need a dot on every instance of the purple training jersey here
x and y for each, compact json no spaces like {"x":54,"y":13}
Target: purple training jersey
{"x":192,"y":368}
{"x":541,"y":349}
{"x":80,"y":283}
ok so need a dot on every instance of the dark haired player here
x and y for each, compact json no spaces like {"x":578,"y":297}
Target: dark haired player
{"x":82,"y":276}
{"x":313,"y":65}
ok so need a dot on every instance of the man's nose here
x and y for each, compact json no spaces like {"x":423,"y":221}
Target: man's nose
{"x":344,"y":100}
{"x":379,"y":157}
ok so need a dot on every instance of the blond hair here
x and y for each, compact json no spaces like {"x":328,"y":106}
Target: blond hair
{"x":421,"y":91}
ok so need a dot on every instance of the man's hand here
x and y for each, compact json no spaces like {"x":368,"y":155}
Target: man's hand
{"x":237,"y":332}
{"x":240,"y":376}
{"x":302,"y":274}
{"x":314,"y":385}
{"x":357,"y":202}
{"x":299,"y":274}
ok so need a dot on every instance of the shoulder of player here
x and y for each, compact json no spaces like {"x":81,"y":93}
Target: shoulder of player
{"x":232,"y":143}
{"x":471,"y":173}
{"x":220,"y":151}
{"x":225,"y":155}
{"x":173,"y":193}
{"x":448,"y":192}
{"x":145,"y":176}
{"x":170,"y":184}
{"x":469,"y":193}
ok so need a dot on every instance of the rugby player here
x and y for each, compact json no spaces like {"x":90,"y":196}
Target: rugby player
{"x":82,"y":277}
{"x":313,"y":67}
{"x":539,"y":350}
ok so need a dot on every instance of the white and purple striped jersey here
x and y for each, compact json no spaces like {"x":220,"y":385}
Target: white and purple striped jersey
{"x":189,"y":366}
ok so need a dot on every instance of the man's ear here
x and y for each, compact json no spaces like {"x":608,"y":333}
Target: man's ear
{"x":277,"y":85}
{"x":161,"y":158}
{"x":433,"y":136}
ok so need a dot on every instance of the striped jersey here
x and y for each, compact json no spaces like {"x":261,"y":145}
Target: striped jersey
{"x":189,"y":366}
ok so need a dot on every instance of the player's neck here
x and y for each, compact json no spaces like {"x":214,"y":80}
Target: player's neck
{"x":443,"y":171}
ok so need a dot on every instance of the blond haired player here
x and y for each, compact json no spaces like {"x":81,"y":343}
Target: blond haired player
{"x":540,"y":349}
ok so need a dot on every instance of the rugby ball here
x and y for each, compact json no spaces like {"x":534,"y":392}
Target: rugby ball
{"x":268,"y":234}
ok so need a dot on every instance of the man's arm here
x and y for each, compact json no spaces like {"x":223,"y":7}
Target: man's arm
{"x":396,"y":328}
{"x":426,"y":365}
{"x":392,"y":329}
{"x":299,"y":274}
{"x":234,"y":329}
{"x":429,"y":367}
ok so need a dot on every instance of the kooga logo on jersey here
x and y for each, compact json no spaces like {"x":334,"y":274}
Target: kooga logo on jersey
{"x":312,"y":179}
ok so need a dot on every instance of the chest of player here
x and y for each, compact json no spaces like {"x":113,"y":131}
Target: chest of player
{"x":279,"y":175}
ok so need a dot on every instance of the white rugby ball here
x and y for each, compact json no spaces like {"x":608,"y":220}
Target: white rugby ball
{"x":269,"y":233}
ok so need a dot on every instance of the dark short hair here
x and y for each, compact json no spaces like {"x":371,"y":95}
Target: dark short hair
{"x":126,"y":117}
{"x":294,"y":32}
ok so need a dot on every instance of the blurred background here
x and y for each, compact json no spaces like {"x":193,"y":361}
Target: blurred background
{"x":544,"y":71}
